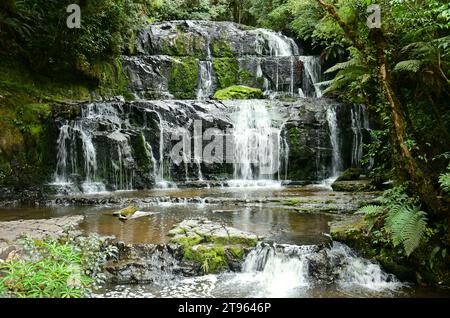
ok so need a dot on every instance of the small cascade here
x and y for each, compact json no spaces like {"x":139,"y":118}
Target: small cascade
{"x":311,"y":76}
{"x":279,"y":45}
{"x":337,"y":164}
{"x":258,"y":146}
{"x":71,"y":136}
{"x":360,"y":123}
{"x":158,"y":166}
{"x":205,"y":82}
{"x":77,"y":148}
{"x":283,"y":270}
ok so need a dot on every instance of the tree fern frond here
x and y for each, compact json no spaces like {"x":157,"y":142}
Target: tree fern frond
{"x":341,"y":66}
{"x":408,"y":66}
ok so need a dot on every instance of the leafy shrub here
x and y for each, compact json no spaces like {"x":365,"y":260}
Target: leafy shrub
{"x":65,"y":268}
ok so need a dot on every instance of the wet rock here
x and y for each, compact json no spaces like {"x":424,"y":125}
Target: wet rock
{"x":38,"y":229}
{"x":360,"y":185}
{"x":350,"y":174}
{"x":214,"y":247}
{"x":147,"y":263}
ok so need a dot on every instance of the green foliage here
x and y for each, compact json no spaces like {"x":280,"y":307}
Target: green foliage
{"x":58,"y":269}
{"x":238,"y":92}
{"x":47,"y":42}
{"x":444,"y":181}
{"x":403,"y":222}
{"x":407,"y":226}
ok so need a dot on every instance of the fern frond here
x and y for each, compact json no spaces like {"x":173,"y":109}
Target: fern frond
{"x":341,"y":66}
{"x":408,"y":66}
{"x":371,"y":210}
{"x":407,"y":226}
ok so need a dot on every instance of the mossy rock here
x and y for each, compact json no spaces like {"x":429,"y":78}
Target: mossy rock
{"x":212,"y":246}
{"x":352,"y":186}
{"x":227,"y":72}
{"x":292,"y":202}
{"x":183,"y":78}
{"x":126,"y":212}
{"x":350,"y":174}
{"x":238,"y":92}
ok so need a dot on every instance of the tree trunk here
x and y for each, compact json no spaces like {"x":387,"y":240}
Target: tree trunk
{"x":421,"y":183}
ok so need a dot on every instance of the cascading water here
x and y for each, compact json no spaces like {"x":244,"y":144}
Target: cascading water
{"x":311,"y":76}
{"x":282,"y":270}
{"x":360,"y":123}
{"x":204,"y":85}
{"x":336,"y":164}
{"x":158,"y":166}
{"x":258,"y":146}
{"x":79,"y":135}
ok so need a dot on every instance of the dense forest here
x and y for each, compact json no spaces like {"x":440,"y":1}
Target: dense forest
{"x":399,"y":71}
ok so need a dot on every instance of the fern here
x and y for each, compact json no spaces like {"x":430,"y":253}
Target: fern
{"x":343,"y":65}
{"x":408,"y":66}
{"x":371,"y":210}
{"x":444,"y":180}
{"x":407,"y":226}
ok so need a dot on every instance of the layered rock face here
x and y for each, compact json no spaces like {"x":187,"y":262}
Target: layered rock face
{"x":166,"y":135}
{"x":193,"y":59}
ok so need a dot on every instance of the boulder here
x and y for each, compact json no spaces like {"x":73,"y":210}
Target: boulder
{"x":360,"y":185}
{"x":214,"y":247}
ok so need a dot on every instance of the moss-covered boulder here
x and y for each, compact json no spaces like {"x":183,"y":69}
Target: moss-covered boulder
{"x":212,"y":246}
{"x":352,"y":185}
{"x":350,"y":174}
{"x":238,"y":92}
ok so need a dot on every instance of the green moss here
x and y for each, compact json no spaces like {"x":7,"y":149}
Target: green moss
{"x":211,"y":253}
{"x":211,"y":258}
{"x":233,"y":240}
{"x":188,"y":241}
{"x":238,"y":92}
{"x":227,"y":72}
{"x":183,"y":78}
{"x":292,"y":202}
{"x":350,"y":174}
{"x":236,"y":251}
{"x":221,"y":49}
{"x":141,"y":154}
{"x":111,"y":81}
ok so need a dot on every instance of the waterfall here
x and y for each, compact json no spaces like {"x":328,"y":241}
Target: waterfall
{"x":258,"y":145}
{"x":337,"y":164}
{"x":67,"y":155}
{"x":281,"y":270}
{"x":79,"y":135}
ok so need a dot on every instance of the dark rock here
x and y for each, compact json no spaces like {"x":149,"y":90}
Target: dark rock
{"x":352,"y":186}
